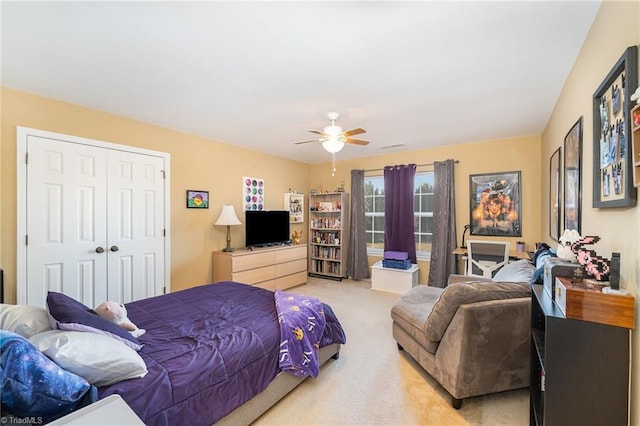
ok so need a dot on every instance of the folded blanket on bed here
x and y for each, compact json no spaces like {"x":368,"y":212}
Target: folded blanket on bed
{"x":302,"y":322}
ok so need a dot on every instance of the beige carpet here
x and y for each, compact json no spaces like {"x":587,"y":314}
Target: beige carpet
{"x":375,"y":384}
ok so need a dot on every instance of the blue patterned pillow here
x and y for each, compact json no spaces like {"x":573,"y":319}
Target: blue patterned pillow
{"x":71,"y":315}
{"x":35,"y":386}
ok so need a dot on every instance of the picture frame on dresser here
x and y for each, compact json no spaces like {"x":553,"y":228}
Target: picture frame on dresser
{"x":612,"y":160}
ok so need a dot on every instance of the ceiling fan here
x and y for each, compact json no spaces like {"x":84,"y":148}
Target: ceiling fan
{"x":333,"y":137}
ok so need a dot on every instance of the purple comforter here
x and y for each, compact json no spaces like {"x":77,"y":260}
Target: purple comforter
{"x":208,"y":350}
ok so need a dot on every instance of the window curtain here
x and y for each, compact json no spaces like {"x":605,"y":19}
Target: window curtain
{"x":357,"y":261}
{"x":398,"y":209}
{"x":444,"y":237}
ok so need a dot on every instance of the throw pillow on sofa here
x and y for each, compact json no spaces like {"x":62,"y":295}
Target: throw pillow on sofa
{"x":520,"y":271}
{"x":469,"y":292}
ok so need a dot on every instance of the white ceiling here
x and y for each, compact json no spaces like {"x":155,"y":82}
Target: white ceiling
{"x":260,"y":74}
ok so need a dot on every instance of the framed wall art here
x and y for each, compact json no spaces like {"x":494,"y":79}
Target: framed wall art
{"x":495,"y":206}
{"x":555,"y":199}
{"x":197,"y":199}
{"x":252,"y":193}
{"x":572,"y":177}
{"x":612,"y":162}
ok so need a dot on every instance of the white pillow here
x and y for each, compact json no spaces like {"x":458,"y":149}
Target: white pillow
{"x":520,"y":271}
{"x":99,"y":359}
{"x":24,"y":320}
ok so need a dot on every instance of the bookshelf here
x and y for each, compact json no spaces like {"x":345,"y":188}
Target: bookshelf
{"x":328,"y":234}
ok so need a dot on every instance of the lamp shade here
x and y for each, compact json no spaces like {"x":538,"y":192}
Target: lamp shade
{"x":335,"y":140}
{"x":228,"y":216}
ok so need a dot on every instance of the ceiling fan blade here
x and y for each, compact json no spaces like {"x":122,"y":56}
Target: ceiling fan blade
{"x":357,"y":141}
{"x":353,"y":132}
{"x":317,"y":132}
{"x":312,"y":140}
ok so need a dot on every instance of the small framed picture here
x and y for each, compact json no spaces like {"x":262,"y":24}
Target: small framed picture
{"x":197,"y":199}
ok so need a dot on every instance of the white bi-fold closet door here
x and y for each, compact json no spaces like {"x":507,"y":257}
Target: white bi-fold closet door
{"x":92,"y":220}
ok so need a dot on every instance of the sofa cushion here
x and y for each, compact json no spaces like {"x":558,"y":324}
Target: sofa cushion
{"x":520,"y":271}
{"x":463,"y":293}
{"x":412,"y":310}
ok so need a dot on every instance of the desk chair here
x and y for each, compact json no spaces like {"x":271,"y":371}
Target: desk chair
{"x":484,"y":257}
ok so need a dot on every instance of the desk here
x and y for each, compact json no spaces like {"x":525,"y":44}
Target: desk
{"x":513,"y":254}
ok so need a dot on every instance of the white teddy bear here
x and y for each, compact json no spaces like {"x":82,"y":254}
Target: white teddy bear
{"x":566,"y":241}
{"x":117,"y":314}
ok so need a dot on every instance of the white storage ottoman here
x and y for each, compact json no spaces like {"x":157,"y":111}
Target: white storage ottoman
{"x":394,"y":280}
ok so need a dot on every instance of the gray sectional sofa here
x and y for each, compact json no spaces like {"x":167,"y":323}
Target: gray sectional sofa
{"x":473,"y":336}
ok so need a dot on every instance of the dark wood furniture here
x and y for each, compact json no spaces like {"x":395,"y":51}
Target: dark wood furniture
{"x":579,"y":369}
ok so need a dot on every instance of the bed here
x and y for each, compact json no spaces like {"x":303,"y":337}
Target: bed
{"x":213,"y":355}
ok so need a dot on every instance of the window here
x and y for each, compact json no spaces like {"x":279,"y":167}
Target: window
{"x":422,"y":214}
{"x":374,"y":213}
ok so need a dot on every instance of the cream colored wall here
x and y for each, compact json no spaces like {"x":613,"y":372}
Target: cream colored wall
{"x":617,"y":26}
{"x":196,"y":163}
{"x":482,"y":157}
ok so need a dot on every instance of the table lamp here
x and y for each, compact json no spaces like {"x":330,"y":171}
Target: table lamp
{"x":466,"y":228}
{"x":227,"y":218}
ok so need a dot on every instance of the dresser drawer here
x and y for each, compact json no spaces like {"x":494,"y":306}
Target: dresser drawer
{"x":291,"y":267}
{"x":253,"y":276}
{"x":292,"y":253}
{"x":291,"y":280}
{"x":267,"y":285}
{"x":255,"y":260}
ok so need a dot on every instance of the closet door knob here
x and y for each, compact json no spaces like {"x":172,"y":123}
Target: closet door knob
{"x":99,"y":250}
{"x":114,"y":248}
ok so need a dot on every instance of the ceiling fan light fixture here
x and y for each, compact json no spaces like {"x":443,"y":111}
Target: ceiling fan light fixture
{"x":333,"y":145}
{"x":333,"y":138}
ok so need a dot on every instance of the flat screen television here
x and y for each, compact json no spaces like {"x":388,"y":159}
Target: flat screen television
{"x":266,"y":228}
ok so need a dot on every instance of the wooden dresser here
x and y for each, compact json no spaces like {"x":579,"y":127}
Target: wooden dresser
{"x":269,"y":268}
